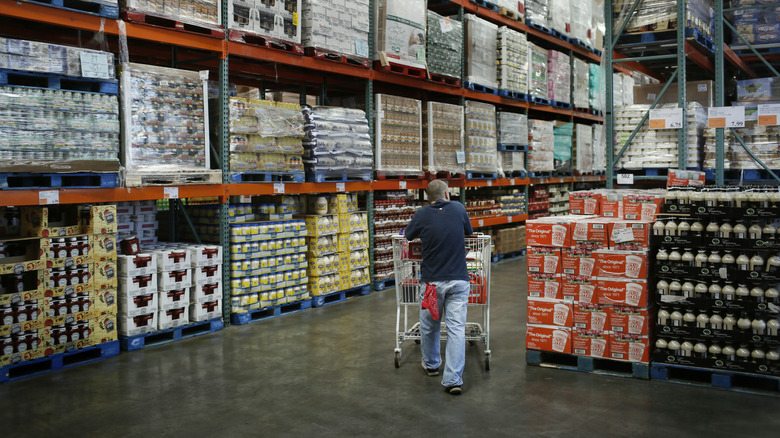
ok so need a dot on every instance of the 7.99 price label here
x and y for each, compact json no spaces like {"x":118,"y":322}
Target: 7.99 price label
{"x":726,"y":117}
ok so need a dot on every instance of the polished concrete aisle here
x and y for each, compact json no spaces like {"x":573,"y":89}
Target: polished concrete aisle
{"x":329,"y":372}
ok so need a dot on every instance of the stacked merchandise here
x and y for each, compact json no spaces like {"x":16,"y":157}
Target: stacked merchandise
{"x":701,"y":92}
{"x":511,"y":8}
{"x":398,"y":134}
{"x":562,"y":155}
{"x":512,"y":136}
{"x":653,"y":16}
{"x":559,"y":76}
{"x":595,"y":99}
{"x":588,"y":293}
{"x":198,"y":12}
{"x":339,"y":34}
{"x":57,"y":294}
{"x":207,"y":288}
{"x":623,"y":86}
{"x":512,"y":61}
{"x":583,"y":149}
{"x":559,"y":199}
{"x":542,"y":146}
{"x":137,"y":220}
{"x":508,"y":240}
{"x":445,"y":46}
{"x":265,"y":136}
{"x":337,"y":142}
{"x":599,"y":149}
{"x":539,"y":203}
{"x":756,"y":25}
{"x":164,"y":112}
{"x":598,"y":22}
{"x":537,"y":71}
{"x":443,"y":151}
{"x":481,"y":148}
{"x":481,"y":51}
{"x":274,"y":20}
{"x":658,"y":148}
{"x":582,"y":21}
{"x":400,"y":34}
{"x":392,"y":212}
{"x":559,"y":16}
{"x":536,"y":12}
{"x":718,"y":269}
{"x":511,"y":202}
{"x":72,"y":131}
{"x":483,"y":208}
{"x":580,"y":96}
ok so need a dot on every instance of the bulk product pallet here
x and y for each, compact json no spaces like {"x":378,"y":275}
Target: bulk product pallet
{"x":55,"y":362}
{"x":588,"y":364}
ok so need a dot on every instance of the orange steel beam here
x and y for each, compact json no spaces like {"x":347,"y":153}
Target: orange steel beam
{"x":86,"y":196}
{"x":736,"y":61}
{"x":698,"y":57}
{"x":501,"y":220}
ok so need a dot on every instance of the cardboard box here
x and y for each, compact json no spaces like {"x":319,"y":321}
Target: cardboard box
{"x":545,"y":286}
{"x":548,"y":338}
{"x":60,"y":221}
{"x":590,"y":343}
{"x":206,"y":274}
{"x":590,"y":233}
{"x":105,"y":301}
{"x":100,"y":219}
{"x":579,"y":289}
{"x":556,"y":235}
{"x":579,"y":262}
{"x":175,"y":317}
{"x":620,"y":291}
{"x":612,"y":209}
{"x":695,"y":91}
{"x":636,"y":238}
{"x":174,"y":279}
{"x":642,"y":207}
{"x":206,"y":293}
{"x":135,"y":265}
{"x":321,"y":225}
{"x":631,"y":320}
{"x":173,"y":298}
{"x":172,"y":259}
{"x":137,"y":325}
{"x":103,"y":247}
{"x":584,"y":203}
{"x":591,"y":316}
{"x":205,"y":255}
{"x":544,"y":260}
{"x":104,"y":329}
{"x":546,"y":311}
{"x":621,"y":264}
{"x":206,"y":311}
{"x":634,"y":348}
{"x":71,"y":259}
{"x":105,"y":275}
{"x":138,"y":305}
{"x":139,"y":285}
{"x":34,"y":258}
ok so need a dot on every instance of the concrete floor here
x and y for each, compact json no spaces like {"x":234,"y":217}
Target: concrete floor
{"x":329,"y":372}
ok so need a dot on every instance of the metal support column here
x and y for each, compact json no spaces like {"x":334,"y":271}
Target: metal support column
{"x":223,"y":138}
{"x":720,"y":84}
{"x":682,"y":154}
{"x":609,"y":124}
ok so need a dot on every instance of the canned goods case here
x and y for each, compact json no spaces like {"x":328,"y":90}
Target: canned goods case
{"x":407,"y":258}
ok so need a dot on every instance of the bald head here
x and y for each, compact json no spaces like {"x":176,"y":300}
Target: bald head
{"x":436,"y":190}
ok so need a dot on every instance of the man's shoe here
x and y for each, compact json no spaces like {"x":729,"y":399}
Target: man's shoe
{"x":432,"y":372}
{"x":454,"y":390}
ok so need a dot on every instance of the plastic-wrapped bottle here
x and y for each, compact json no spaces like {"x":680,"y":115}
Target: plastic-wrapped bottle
{"x":725,"y":230}
{"x":658,"y":228}
{"x":754,"y":232}
{"x":729,"y":322}
{"x":697,"y":229}
{"x":740,"y":230}
{"x":688,"y":258}
{"x":670,"y":228}
{"x":756,"y":263}
{"x":662,"y":287}
{"x":757,"y":294}
{"x":715,"y":290}
{"x":716,"y":321}
{"x":759,"y":326}
{"x":714,"y":349}
{"x":700,"y":291}
{"x":676,"y":317}
{"x":663,"y":317}
{"x":744,"y":322}
{"x":743,"y":262}
{"x":689,"y":318}
{"x":713,"y":229}
{"x":702,"y":319}
{"x":683,"y":228}
{"x":700,"y":350}
{"x":728,"y":291}
{"x":701,"y":259}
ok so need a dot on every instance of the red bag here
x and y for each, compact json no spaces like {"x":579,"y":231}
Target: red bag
{"x":431,"y":301}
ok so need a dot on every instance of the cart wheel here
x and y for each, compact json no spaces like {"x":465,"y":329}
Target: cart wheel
{"x":398,"y":359}
{"x":487,"y":361}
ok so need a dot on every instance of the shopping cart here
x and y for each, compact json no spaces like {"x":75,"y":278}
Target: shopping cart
{"x":407,"y":257}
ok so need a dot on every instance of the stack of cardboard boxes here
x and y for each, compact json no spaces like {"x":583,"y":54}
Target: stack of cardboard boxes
{"x":508,"y":240}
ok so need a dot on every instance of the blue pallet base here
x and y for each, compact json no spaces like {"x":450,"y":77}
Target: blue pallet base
{"x":587,"y":364}
{"x":563,"y":105}
{"x":486,"y":5}
{"x":107,"y":11}
{"x":516,"y":174}
{"x":761,"y":50}
{"x":748,"y":175}
{"x":338,"y":176}
{"x":480,"y":88}
{"x":540,"y":100}
{"x":10,"y":181}
{"x":513,"y":95}
{"x":537,"y":174}
{"x":539,"y":27}
{"x":337,"y":297}
{"x":59,"y":361}
{"x":266,"y":177}
{"x":508,"y":256}
{"x":270,"y":312}
{"x":510,"y":147}
{"x":644,"y":38}
{"x":560,"y":35}
{"x":578,"y":42}
{"x":710,"y":377}
{"x":19,"y":78}
{"x":384,"y":284}
{"x":132,"y":343}
{"x":481,"y":175}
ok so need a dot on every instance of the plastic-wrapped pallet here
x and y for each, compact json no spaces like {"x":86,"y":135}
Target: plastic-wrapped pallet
{"x":164,"y":112}
{"x":50,"y":58}
{"x":443,"y":151}
{"x":658,"y":15}
{"x":617,"y":87}
{"x":627,"y":89}
{"x":580,"y":84}
{"x":595,"y":78}
{"x":537,"y":71}
{"x":512,"y":60}
{"x":481,"y":150}
{"x":481,"y":38}
{"x":757,"y":25}
{"x":542,"y":146}
{"x":445,"y":45}
{"x":398,"y":134}
{"x":536,"y":12}
{"x":275,"y":20}
{"x":559,"y":16}
{"x":197,"y":12}
{"x":337,"y":142}
{"x":583,"y":149}
{"x":562,"y":134}
{"x":345,"y":33}
{"x":582,"y":20}
{"x":512,"y":163}
{"x":658,"y":148}
{"x":558,"y":76}
{"x":400,"y":35}
{"x":761,"y":140}
{"x":512,"y":8}
{"x":599,"y":149}
{"x":512,"y":129}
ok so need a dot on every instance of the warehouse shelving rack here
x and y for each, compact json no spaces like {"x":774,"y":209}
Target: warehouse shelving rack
{"x":230,"y":61}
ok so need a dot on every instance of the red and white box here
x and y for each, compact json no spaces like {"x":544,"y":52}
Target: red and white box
{"x":634,"y":348}
{"x":544,"y":260}
{"x":206,"y":274}
{"x":553,"y":232}
{"x":138,"y":264}
{"x":174,"y":279}
{"x":590,"y":343}
{"x":591,"y":316}
{"x":621,"y":264}
{"x":138,"y":305}
{"x":205,"y":293}
{"x":577,"y":261}
{"x":173,"y":259}
{"x":590,"y":233}
{"x":580,"y":289}
{"x":545,"y":286}
{"x":631,"y":320}
{"x":173,"y":299}
{"x":137,"y":325}
{"x":548,"y":338}
{"x":205,"y":311}
{"x":138,"y":285}
{"x":687,"y":177}
{"x":585,"y":202}
{"x":630,"y":235}
{"x":205,"y":255}
{"x":175,"y":317}
{"x":642,"y":206}
{"x":612,"y":206}
{"x":550,"y":312}
{"x":622,"y":292}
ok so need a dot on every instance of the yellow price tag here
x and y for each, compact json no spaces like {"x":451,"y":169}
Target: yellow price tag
{"x":295,"y":18}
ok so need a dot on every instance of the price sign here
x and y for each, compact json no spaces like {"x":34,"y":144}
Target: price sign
{"x":769,"y":114}
{"x":481,"y":223}
{"x":511,"y":181}
{"x":460,"y":156}
{"x":278,"y":187}
{"x":361,"y":48}
{"x":490,"y":183}
{"x":94,"y":65}
{"x":48,"y":197}
{"x":509,"y":219}
{"x":402,"y":185}
{"x":625,"y":178}
{"x":340,"y":187}
{"x":170,"y":193}
{"x":666,"y":118}
{"x":726,"y":117}
{"x":623,"y":235}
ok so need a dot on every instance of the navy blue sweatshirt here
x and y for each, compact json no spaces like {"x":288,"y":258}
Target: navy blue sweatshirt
{"x":441,"y":227}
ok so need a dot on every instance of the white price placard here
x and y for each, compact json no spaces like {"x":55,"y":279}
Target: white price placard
{"x":48,"y":197}
{"x":481,"y":223}
{"x":171,"y":193}
{"x":726,"y":117}
{"x":340,"y":187}
{"x":623,"y":235}
{"x":490,"y":183}
{"x":625,"y":178}
{"x":671,"y":118}
{"x":769,"y":114}
{"x":460,"y":156}
{"x":509,"y":219}
{"x":278,"y":187}
{"x":402,"y":185}
{"x":94,"y":65}
{"x":511,"y":181}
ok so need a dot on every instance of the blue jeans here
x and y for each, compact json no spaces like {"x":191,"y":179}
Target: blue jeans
{"x":453,"y":298}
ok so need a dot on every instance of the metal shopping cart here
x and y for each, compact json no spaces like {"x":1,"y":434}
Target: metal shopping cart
{"x":407,"y":257}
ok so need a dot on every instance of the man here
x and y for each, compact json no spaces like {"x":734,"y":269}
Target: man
{"x":441,"y":226}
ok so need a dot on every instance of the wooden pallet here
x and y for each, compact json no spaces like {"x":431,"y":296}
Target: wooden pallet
{"x":330,"y":55}
{"x":215,"y":31}
{"x":509,"y":13}
{"x":185,"y":177}
{"x":265,"y":41}
{"x":588,"y":364}
{"x":401,"y":69}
